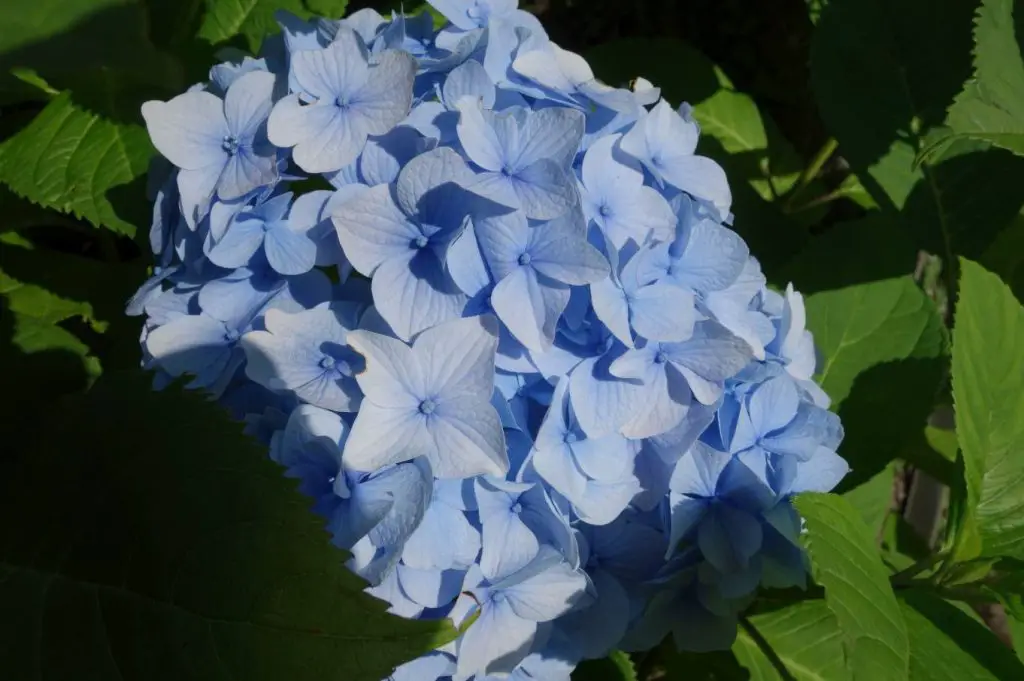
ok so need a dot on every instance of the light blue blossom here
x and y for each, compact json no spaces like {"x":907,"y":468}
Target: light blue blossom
{"x":522,"y":157}
{"x":534,"y":267}
{"x":430,"y":400}
{"x":343,"y":98}
{"x":617,"y":201}
{"x":286,"y":243}
{"x":665,"y":143}
{"x":398,"y":235}
{"x":511,"y":610}
{"x":220,"y":146}
{"x":307,"y":353}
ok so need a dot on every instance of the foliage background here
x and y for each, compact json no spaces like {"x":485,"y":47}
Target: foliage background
{"x":142,"y":537}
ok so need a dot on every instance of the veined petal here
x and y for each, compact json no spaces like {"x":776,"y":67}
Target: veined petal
{"x":386,"y":96}
{"x":415,"y":293}
{"x":457,"y":357}
{"x":189,"y":130}
{"x":545,"y":191}
{"x":468,"y":439}
{"x":372,"y":230}
{"x":385,"y":435}
{"x":530,"y":309}
{"x":248,"y":102}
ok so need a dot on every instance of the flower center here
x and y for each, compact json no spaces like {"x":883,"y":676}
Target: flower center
{"x":230,"y":144}
{"x":660,"y":358}
{"x":605,"y":210}
{"x":570,"y":438}
{"x":327,"y":362}
{"x":427,"y":407}
{"x":525,"y":259}
{"x":231,"y":335}
{"x":341,"y":103}
{"x":420,"y":242}
{"x":517,"y":508}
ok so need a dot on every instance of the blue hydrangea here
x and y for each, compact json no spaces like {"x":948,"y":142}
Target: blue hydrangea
{"x":507,"y":341}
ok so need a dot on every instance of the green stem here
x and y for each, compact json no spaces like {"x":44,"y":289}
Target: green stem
{"x":904,"y":576}
{"x":766,"y":649}
{"x":811,"y":171}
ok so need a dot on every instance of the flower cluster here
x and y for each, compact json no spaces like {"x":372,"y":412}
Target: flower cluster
{"x":490,"y":313}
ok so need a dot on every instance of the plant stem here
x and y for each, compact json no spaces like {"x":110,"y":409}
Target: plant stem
{"x":811,"y":171}
{"x":767,"y":649}
{"x":903,"y":576}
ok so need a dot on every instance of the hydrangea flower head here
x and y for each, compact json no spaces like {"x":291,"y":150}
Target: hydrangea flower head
{"x":506,"y":340}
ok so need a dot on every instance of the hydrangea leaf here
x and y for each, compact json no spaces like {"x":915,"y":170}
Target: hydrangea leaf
{"x":883,"y":356}
{"x":991,"y":107}
{"x":862,"y":326}
{"x":805,"y":637}
{"x":176,"y":550}
{"x":883,"y":76}
{"x":873,"y":498}
{"x":254,"y":19}
{"x":616,"y":667}
{"x":845,"y":560}
{"x":74,"y":161}
{"x":1005,"y":256}
{"x":99,"y":49}
{"x":948,"y":645}
{"x":988,"y":392}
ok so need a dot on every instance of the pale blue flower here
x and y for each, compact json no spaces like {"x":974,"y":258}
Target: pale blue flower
{"x":343,"y":98}
{"x":286,"y":243}
{"x":430,"y":400}
{"x":523,"y":157}
{"x":307,"y":354}
{"x":534,"y":267}
{"x":220,"y":146}
{"x":665,"y":143}
{"x":399,"y":234}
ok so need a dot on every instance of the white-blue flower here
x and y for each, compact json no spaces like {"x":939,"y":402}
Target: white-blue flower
{"x":344,"y":97}
{"x":220,"y":146}
{"x":432,"y":400}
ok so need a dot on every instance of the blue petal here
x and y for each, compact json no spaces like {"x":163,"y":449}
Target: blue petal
{"x":530,"y":306}
{"x":189,"y":130}
{"x":414,"y":292}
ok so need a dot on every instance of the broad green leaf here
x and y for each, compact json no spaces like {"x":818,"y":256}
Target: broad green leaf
{"x":883,"y":75}
{"x":331,"y":9}
{"x":988,"y":391}
{"x":1017,"y":635}
{"x":806,"y":638}
{"x":883,"y":349}
{"x":76,"y":162}
{"x":846,"y":562}
{"x":948,"y":645}
{"x":143,"y":537}
{"x":991,"y":107}
{"x":97,"y":48}
{"x":254,"y":19}
{"x":616,"y":667}
{"x":873,"y":498}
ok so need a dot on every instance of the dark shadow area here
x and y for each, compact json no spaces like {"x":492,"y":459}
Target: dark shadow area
{"x":885,"y":414}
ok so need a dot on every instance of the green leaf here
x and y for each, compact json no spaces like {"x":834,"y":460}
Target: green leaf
{"x":616,"y":667}
{"x":883,"y":346}
{"x":76,"y":162}
{"x":883,"y":75}
{"x":330,"y":9}
{"x":873,"y":498}
{"x":806,"y":638}
{"x":846,"y":562}
{"x":991,"y":107}
{"x":988,"y":391}
{"x":1005,"y":256}
{"x":171,"y":549}
{"x":254,"y":19}
{"x":98,"y":48}
{"x":862,"y":326}
{"x":948,"y":645}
